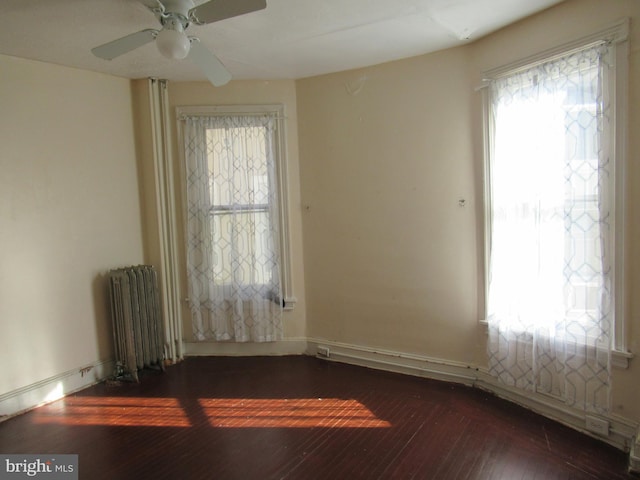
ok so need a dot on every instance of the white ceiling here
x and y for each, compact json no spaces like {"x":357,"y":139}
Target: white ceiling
{"x":289,"y":39}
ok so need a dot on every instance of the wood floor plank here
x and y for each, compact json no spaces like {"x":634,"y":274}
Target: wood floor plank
{"x":303,"y":418}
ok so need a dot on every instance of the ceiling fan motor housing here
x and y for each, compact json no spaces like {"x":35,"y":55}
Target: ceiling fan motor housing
{"x":171,"y":41}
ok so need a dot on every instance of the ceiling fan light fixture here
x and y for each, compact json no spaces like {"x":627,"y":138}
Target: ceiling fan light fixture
{"x":173,"y":43}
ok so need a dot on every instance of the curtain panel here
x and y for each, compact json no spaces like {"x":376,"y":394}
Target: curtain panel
{"x":233,"y":256}
{"x":550,"y":270}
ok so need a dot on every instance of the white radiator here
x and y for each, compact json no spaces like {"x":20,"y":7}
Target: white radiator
{"x":138,"y":328}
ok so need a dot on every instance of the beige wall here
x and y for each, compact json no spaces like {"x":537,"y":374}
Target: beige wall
{"x":250,"y":93}
{"x":69,"y":211}
{"x":391,"y":260}
{"x":390,"y":255}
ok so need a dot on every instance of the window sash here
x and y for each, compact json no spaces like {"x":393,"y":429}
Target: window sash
{"x":252,"y":241}
{"x":238,"y":167}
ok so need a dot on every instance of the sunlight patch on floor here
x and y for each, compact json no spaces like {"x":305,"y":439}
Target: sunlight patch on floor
{"x":115,"y":411}
{"x":289,"y":413}
{"x":219,"y":412}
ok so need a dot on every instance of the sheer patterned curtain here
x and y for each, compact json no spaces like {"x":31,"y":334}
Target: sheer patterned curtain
{"x":550,"y":291}
{"x":232,"y":228}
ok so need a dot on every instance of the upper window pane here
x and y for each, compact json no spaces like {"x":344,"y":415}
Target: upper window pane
{"x":237,"y":160}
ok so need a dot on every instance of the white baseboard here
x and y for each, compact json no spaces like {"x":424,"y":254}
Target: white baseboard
{"x":621,"y":432}
{"x":288,"y":346}
{"x":398,"y":362}
{"x":53,"y":388}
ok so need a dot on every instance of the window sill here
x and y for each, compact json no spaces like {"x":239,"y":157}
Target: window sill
{"x":289,"y":303}
{"x":620,"y":359}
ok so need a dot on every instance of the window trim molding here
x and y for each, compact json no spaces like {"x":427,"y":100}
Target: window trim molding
{"x":616,"y":34}
{"x":289,"y":300}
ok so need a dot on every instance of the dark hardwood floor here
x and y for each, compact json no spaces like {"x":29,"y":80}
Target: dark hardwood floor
{"x":302,"y":418}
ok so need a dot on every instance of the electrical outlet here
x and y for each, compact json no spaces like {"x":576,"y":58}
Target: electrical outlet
{"x":597,"y":425}
{"x":323,"y":352}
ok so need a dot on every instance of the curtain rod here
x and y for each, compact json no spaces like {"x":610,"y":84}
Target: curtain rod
{"x":230,"y":114}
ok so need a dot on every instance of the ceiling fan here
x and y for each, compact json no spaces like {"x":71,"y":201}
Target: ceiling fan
{"x":175,"y":16}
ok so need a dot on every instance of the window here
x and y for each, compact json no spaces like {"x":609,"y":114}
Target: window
{"x":242,"y":199}
{"x":550,"y":183}
{"x":554,"y":223}
{"x":237,"y":242}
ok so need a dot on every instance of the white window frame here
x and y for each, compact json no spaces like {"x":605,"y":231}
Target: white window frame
{"x":289,"y":299}
{"x":617,"y":37}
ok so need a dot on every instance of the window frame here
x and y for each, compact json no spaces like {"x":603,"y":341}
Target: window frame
{"x":278,"y":110}
{"x":616,"y":36}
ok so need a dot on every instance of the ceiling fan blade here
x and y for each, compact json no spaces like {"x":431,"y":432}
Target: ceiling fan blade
{"x":213,"y":68}
{"x":123,"y":45}
{"x":216,"y":10}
